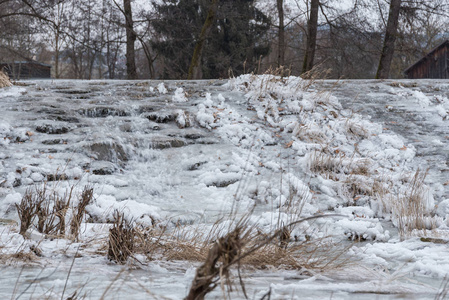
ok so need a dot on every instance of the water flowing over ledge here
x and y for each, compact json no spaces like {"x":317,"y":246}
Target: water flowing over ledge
{"x":190,"y":152}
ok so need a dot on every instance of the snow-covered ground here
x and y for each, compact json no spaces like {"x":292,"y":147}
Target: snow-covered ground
{"x":192,"y":152}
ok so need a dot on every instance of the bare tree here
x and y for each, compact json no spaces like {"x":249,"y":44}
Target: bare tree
{"x":422,"y":26}
{"x":386,"y":56}
{"x":130,"y":41}
{"x":312,"y":29}
{"x":131,"y":36}
{"x":281,"y":33}
{"x":114,"y":38}
{"x":203,"y":38}
{"x":17,"y":32}
{"x":58,"y":36}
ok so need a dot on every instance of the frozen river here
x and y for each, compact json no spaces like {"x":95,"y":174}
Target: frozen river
{"x":412,"y":108}
{"x":190,"y":152}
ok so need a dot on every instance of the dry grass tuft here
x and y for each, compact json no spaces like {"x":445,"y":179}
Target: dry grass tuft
{"x":281,"y":71}
{"x":121,"y":239}
{"x":280,"y":251}
{"x":225,"y":250}
{"x":60,"y":210}
{"x":4,"y":80}
{"x":148,"y":240}
{"x":273,"y":256}
{"x":323,"y":163}
{"x":312,"y":76}
{"x":312,"y":255}
{"x":361,"y":167}
{"x":353,"y":187}
{"x":27,"y":210}
{"x":183,"y":243}
{"x":381,"y":190}
{"x":244,"y":245}
{"x":184,"y":250}
{"x":411,"y":209}
{"x":79,"y":212}
{"x":50,"y":209}
{"x":309,"y":133}
{"x":22,"y":256}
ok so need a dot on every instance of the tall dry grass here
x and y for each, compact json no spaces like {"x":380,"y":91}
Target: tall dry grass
{"x":4,"y":80}
{"x":411,"y":208}
{"x":79,"y":212}
{"x":121,"y":239}
{"x":245,"y":246}
{"x":47,"y":210}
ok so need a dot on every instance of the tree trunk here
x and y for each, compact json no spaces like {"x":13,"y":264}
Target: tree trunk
{"x":100,"y":65}
{"x":195,"y":65}
{"x":57,"y":75}
{"x":312,"y":28}
{"x":147,"y":52}
{"x":281,"y":33}
{"x":386,"y":56}
{"x":130,"y":40}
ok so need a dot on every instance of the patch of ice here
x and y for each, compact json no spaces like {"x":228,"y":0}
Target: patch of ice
{"x":161,"y":88}
{"x":370,"y":229}
{"x":179,"y":95}
{"x":37,"y":177}
{"x":391,"y":140}
{"x":12,"y":92}
{"x":205,"y":117}
{"x":9,"y":201}
{"x":421,"y":98}
{"x":208,"y":102}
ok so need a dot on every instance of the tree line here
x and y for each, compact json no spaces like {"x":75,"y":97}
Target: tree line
{"x":202,"y":39}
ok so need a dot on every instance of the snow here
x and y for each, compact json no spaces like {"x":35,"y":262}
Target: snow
{"x":9,"y":93}
{"x":179,"y":95}
{"x":104,"y":206}
{"x":161,"y":88}
{"x":205,"y":117}
{"x":291,"y":149}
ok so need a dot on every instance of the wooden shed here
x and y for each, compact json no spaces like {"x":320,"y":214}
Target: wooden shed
{"x":433,"y":65}
{"x":26,"y":69}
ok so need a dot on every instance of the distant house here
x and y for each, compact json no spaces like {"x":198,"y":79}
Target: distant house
{"x":433,"y":65}
{"x":26,"y":69}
